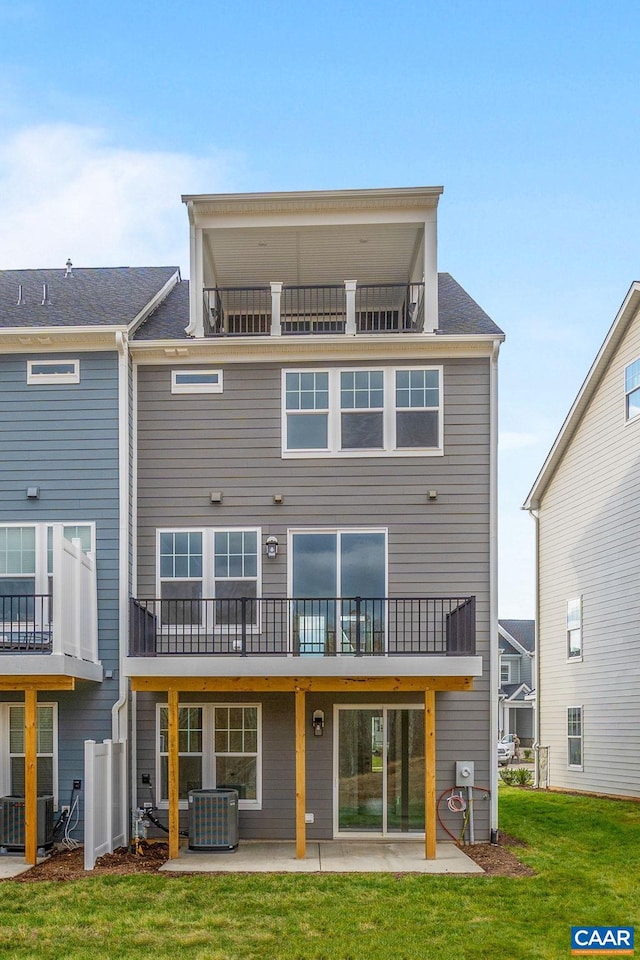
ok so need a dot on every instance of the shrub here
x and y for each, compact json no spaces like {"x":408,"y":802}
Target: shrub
{"x":527,"y":754}
{"x":517,"y":778}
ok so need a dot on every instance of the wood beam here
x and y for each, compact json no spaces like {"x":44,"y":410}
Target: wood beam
{"x":173,"y":776}
{"x":30,"y":776}
{"x":308,"y":684}
{"x":301,"y":786}
{"x":430,"y":774}
{"x":18,"y":683}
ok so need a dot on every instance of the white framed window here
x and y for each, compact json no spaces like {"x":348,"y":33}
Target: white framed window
{"x":574,"y":738}
{"x":53,"y":371}
{"x":505,"y":671}
{"x":220,"y":565}
{"x":196,"y":381}
{"x":355,"y":412}
{"x":12,"y":775}
{"x":219,"y":744}
{"x":574,"y":628}
{"x":632,"y":390}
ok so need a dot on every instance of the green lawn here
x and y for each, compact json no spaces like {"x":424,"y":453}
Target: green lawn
{"x":585,"y":852}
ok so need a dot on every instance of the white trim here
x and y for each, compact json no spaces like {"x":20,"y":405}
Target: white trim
{"x":364,"y":834}
{"x":195,"y":386}
{"x":208,"y":752}
{"x":41,"y":377}
{"x":334,"y":411}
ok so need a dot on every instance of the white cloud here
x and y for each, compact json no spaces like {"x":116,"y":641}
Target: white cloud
{"x":513,"y":440}
{"x":65,"y":191}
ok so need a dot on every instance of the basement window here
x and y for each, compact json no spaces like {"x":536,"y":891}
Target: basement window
{"x":53,"y":371}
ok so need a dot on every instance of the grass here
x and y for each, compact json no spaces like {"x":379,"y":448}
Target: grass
{"x":583,"y":849}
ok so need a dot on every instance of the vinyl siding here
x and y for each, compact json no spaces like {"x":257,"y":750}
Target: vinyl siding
{"x":589,"y":521}
{"x":189,"y":445}
{"x":64,"y":439}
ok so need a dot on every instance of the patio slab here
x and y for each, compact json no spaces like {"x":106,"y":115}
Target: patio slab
{"x":12,"y":866}
{"x":326,"y":856}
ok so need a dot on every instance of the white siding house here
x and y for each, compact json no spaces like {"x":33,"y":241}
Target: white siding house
{"x":586,"y":503}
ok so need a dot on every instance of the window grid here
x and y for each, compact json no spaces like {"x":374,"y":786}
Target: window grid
{"x":362,"y":390}
{"x":17,"y":551}
{"x":236,"y":554}
{"x":417,"y":389}
{"x":181,"y":555}
{"x":307,"y":391}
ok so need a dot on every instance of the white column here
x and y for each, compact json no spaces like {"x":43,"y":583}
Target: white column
{"x":431,"y":273}
{"x":350,"y":297}
{"x":276,"y":294}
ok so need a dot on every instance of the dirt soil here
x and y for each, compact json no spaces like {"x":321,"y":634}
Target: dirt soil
{"x":496,"y":860}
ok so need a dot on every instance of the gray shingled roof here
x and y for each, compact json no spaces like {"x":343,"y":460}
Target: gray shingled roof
{"x":524,"y":631}
{"x":459,"y":313}
{"x":92,"y":296}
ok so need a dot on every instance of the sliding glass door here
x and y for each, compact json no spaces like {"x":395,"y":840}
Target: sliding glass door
{"x":380,"y":770}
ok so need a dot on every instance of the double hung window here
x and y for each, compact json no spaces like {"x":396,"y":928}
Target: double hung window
{"x":209,"y":574}
{"x":632,"y":390}
{"x":574,"y":628}
{"x":360,"y":412}
{"x":219,"y":745}
{"x":574,"y":737}
{"x":12,"y":773}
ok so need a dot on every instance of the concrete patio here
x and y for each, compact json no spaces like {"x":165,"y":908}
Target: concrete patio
{"x":326,"y":856}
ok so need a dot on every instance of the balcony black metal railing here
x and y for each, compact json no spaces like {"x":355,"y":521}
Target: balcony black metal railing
{"x":25,"y":624}
{"x":308,"y":309}
{"x":268,"y":626}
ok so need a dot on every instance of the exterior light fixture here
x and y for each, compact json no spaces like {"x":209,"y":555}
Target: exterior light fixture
{"x":317,"y":722}
{"x":272,"y":547}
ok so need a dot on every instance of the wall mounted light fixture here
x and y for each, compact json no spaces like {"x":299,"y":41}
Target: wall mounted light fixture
{"x":317,"y":722}
{"x":272,"y":547}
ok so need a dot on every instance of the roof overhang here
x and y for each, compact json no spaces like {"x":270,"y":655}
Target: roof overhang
{"x":625,"y":315}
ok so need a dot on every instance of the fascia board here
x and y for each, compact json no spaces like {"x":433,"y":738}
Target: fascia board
{"x":611,"y":342}
{"x":30,"y":339}
{"x":311,"y":197}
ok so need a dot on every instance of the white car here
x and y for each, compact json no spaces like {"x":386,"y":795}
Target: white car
{"x":506,"y":750}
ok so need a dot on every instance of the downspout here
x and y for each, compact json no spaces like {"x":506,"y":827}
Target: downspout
{"x":493,"y":579}
{"x":119,"y":712}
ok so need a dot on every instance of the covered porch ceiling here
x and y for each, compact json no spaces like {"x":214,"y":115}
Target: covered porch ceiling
{"x":313,"y":254}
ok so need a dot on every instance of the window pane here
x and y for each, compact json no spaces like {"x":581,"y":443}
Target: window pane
{"x":573,"y":613}
{"x":189,"y":776}
{"x":181,"y":602}
{"x":632,"y":376}
{"x":314,"y":565}
{"x":362,"y":431}
{"x":16,"y":729}
{"x":17,"y":550}
{"x":633,"y":404}
{"x":238,"y":773}
{"x":575,"y":752}
{"x":363,"y":564}
{"x":416,"y":428}
{"x":307,"y":431}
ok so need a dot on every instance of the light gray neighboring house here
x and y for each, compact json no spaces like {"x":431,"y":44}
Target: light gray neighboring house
{"x":516,"y":694}
{"x":315,"y":593}
{"x":586,"y":504}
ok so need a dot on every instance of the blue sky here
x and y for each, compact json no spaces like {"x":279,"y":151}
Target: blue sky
{"x":526,"y":113}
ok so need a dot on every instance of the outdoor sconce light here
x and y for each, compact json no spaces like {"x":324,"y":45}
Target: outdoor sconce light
{"x":272,"y":547}
{"x":317,"y":722}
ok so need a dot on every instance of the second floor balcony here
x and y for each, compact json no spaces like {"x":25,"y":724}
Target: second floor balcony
{"x":349,"y":308}
{"x":303,"y":627}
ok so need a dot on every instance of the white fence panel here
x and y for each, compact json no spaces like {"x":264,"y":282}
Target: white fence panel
{"x":75,"y":606}
{"x":106,"y":809}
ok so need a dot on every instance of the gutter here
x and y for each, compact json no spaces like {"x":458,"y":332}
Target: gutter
{"x":534,"y":512}
{"x":119,"y":711}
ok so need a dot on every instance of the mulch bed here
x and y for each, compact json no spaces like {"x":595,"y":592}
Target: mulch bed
{"x":497,"y":860}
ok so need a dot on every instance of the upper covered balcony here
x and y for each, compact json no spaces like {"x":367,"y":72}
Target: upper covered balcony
{"x":343,"y":263}
{"x":48,"y":602}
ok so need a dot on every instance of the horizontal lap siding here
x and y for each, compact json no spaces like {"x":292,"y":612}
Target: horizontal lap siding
{"x":192,"y":444}
{"x":589,"y":546}
{"x":64,"y":439}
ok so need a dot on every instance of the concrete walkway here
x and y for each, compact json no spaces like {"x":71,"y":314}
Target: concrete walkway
{"x":326,"y":856}
{"x":13,"y":866}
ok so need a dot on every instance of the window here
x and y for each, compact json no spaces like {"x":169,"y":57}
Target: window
{"x":53,"y":371}
{"x":219,"y":746}
{"x":574,"y":628}
{"x":17,"y":570}
{"x":220,"y":565}
{"x":632,"y":390}
{"x":505,"y":672}
{"x":574,"y":737}
{"x":12,"y":721}
{"x":196,"y":381}
{"x":358,"y":412}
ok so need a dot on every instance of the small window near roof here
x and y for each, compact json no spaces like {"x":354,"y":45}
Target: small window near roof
{"x":632,"y":390}
{"x":196,"y":381}
{"x":53,"y":371}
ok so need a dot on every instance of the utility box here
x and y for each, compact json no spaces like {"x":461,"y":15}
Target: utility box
{"x":465,"y":773}
{"x":12,"y":823}
{"x":213,"y":820}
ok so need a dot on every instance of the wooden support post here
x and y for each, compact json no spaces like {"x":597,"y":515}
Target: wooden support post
{"x":301,"y":791}
{"x":173,"y":759}
{"x":30,"y":776}
{"x":430,"y":774}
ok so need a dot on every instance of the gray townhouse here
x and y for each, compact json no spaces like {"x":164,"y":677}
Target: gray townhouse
{"x":313,"y":615}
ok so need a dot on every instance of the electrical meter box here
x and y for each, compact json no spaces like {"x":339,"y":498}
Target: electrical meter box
{"x":464,"y":773}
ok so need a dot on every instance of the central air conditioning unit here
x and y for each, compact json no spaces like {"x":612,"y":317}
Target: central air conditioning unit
{"x":213,"y":820}
{"x":12,"y":823}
